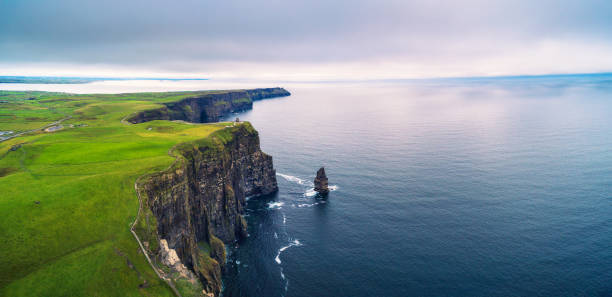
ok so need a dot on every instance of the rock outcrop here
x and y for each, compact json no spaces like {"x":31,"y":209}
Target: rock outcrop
{"x":170,"y":259}
{"x":320,"y":182}
{"x":207,"y":107}
{"x":198,"y":204}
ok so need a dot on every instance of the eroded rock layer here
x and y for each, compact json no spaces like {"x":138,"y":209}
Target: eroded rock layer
{"x":198,"y":203}
{"x":209,"y":107}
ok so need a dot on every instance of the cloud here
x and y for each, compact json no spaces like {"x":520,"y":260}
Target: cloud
{"x":313,"y":38}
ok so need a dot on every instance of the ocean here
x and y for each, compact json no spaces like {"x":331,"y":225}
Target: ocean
{"x":448,"y":187}
{"x":457,"y":187}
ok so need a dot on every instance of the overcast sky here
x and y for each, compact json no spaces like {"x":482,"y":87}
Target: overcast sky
{"x":305,"y":39}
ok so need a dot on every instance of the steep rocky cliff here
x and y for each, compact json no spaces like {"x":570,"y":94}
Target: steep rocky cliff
{"x":197,"y":205}
{"x":209,"y":107}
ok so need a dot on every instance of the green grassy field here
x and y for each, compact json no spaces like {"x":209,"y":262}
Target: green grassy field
{"x":67,"y":197}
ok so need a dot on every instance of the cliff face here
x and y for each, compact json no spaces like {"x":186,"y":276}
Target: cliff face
{"x":199,"y":202}
{"x":208,"y":108}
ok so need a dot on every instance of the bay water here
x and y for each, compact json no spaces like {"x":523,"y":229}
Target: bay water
{"x":456,"y":187}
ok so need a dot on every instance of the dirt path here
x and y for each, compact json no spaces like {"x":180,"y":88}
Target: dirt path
{"x":168,"y":281}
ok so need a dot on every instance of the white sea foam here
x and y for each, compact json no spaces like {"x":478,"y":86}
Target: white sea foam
{"x":275,"y":205}
{"x":292,"y":178}
{"x":293,"y":243}
{"x":311,"y":192}
{"x":306,"y":205}
{"x":295,"y":179}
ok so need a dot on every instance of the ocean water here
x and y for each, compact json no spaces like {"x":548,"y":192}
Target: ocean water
{"x":455,"y":187}
{"x":466,"y":187}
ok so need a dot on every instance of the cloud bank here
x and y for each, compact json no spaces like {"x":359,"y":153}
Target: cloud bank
{"x":305,"y":39}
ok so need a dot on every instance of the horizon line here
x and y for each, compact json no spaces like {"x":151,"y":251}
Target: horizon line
{"x":517,"y":76}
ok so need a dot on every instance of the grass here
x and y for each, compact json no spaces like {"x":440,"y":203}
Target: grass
{"x":242,"y":100}
{"x":68,"y":197}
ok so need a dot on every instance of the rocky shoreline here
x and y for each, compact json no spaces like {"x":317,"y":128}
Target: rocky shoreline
{"x":208,"y":108}
{"x":194,"y":208}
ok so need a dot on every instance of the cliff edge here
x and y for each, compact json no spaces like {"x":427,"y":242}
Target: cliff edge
{"x":209,"y":107}
{"x":197,"y":205}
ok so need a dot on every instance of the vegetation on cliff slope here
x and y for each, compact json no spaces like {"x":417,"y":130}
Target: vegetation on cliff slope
{"x":68,"y":196}
{"x":167,"y":200}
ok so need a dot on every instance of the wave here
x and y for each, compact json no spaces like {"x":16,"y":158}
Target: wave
{"x":292,"y":178}
{"x":311,"y":192}
{"x":275,"y":205}
{"x":293,"y":243}
{"x":295,"y":179}
{"x":306,"y":205}
{"x":310,"y":204}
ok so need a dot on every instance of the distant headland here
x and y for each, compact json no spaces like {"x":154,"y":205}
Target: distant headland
{"x":77,"y":79}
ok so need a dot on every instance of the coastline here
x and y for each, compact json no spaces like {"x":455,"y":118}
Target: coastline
{"x":84,"y":161}
{"x":224,"y":148}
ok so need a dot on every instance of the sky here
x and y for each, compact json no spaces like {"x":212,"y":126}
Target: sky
{"x":304,"y":39}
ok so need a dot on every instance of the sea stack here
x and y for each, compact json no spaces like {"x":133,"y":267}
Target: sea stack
{"x":320,"y":182}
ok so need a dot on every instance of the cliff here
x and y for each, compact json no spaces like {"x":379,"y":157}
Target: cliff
{"x":207,"y":108}
{"x":197,"y":205}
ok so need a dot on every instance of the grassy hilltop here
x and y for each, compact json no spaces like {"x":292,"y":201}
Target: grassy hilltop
{"x":68,"y":197}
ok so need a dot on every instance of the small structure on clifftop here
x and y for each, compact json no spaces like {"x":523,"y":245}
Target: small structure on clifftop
{"x":320,"y":182}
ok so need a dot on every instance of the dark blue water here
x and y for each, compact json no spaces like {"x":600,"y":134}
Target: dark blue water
{"x":485,"y":187}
